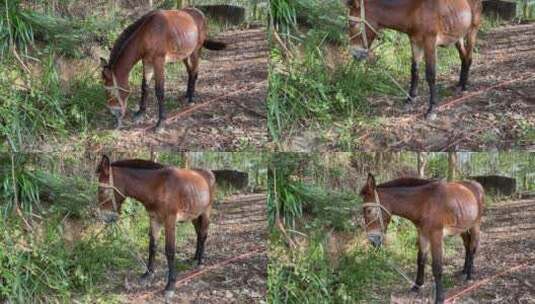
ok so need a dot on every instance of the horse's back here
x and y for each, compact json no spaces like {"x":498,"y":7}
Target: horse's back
{"x":463,"y":202}
{"x":190,"y":192}
{"x":175,"y":33}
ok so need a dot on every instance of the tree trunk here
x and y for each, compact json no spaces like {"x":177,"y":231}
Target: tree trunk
{"x":452,"y":166}
{"x":422,"y":161}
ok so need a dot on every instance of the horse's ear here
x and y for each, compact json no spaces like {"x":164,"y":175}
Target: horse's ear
{"x":104,"y":166}
{"x":103,"y":62}
{"x":371,"y":181}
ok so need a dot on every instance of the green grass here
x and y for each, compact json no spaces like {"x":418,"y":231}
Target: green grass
{"x":317,"y":87}
{"x":359,"y":274}
{"x":44,"y":264}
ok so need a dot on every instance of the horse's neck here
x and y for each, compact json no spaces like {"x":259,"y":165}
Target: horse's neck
{"x":402,"y":203}
{"x":389,"y":13}
{"x":135,"y":184}
{"x":126,"y":61}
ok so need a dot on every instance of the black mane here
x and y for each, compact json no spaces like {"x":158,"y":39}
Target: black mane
{"x":138,"y":164}
{"x":125,"y":36}
{"x":406,"y":182}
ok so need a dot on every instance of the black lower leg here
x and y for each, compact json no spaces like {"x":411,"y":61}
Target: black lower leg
{"x":152,"y":253}
{"x":201,"y":249}
{"x":421,"y":260}
{"x":161,"y":107}
{"x":437,"y":274}
{"x":171,"y":277}
{"x":144,"y":94}
{"x":414,"y":81}
{"x":465,"y":68}
{"x":430,"y":75}
{"x":192,"y":79}
{"x":470,"y":265}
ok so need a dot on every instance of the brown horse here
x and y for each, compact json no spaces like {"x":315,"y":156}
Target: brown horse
{"x":169,"y":194}
{"x":156,"y":38}
{"x":429,"y":23}
{"x":436,"y":208}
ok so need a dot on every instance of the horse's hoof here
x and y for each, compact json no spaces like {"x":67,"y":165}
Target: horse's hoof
{"x":169,"y":294}
{"x":138,"y":117}
{"x":415,"y":288}
{"x":146,"y":278}
{"x":159,"y":127}
{"x":430,"y":115}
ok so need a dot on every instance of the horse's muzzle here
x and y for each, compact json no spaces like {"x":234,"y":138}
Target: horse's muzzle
{"x":375,"y":240}
{"x":360,"y":54}
{"x":108,"y":217}
{"x":116,"y":111}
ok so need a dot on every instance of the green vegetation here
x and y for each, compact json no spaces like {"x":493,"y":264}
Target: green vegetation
{"x":312,"y":77}
{"x":50,"y":86}
{"x":52,"y":247}
{"x":318,"y":248}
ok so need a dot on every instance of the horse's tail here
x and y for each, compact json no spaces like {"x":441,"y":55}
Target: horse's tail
{"x":214,"y":45}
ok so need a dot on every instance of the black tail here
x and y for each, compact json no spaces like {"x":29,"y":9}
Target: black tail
{"x":214,"y":45}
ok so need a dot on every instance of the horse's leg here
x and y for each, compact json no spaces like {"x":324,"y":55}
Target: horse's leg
{"x":192,"y":74}
{"x":148,"y":72}
{"x":466,"y":242}
{"x":436,"y":252}
{"x":197,"y":224}
{"x":423,"y":249}
{"x":170,"y":224}
{"x":188,"y":69}
{"x":470,"y":44}
{"x":203,"y":234}
{"x":462,"y":54}
{"x":417,"y":55}
{"x":154,"y":235}
{"x":159,"y":79}
{"x":430,"y":75}
{"x":474,"y":245}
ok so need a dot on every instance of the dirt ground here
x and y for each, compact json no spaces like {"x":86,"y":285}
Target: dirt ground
{"x":230,"y":107}
{"x":485,"y":118}
{"x":507,"y":240}
{"x":239,"y":226}
{"x":496,"y":111}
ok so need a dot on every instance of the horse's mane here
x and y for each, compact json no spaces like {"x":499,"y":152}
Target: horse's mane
{"x":406,"y":182}
{"x":120,"y":43}
{"x":137,"y":164}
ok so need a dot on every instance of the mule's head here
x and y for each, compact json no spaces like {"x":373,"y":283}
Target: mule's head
{"x":117,"y":93}
{"x":376,"y":218}
{"x":361,"y":31}
{"x":109,"y":199}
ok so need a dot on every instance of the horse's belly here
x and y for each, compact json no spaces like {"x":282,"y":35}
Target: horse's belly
{"x":182,"y":45}
{"x":454,"y":27}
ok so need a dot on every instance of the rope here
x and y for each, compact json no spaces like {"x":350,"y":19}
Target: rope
{"x":455,"y":101}
{"x":201,"y":105}
{"x":195,"y":273}
{"x":451,"y":299}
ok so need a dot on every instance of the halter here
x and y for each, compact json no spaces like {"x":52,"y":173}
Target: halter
{"x":377,"y":204}
{"x":115,"y":90}
{"x":111,"y":185}
{"x":363,"y":23}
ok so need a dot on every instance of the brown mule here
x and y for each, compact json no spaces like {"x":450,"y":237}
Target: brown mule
{"x":429,"y":23}
{"x":436,"y":208}
{"x":169,"y":194}
{"x":156,"y":38}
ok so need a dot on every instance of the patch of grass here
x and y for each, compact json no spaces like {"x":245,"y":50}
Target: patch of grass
{"x":307,"y":273}
{"x":318,"y":84}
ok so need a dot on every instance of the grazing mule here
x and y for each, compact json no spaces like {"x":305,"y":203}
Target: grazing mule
{"x":158,"y":37}
{"x":429,"y":23}
{"x":436,"y":208}
{"x":169,"y":194}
